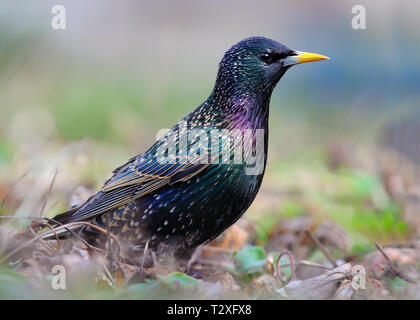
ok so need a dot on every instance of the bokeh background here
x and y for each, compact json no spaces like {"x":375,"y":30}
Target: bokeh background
{"x":344,"y":134}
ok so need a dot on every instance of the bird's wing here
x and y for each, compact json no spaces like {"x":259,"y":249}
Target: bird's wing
{"x":144,"y":174}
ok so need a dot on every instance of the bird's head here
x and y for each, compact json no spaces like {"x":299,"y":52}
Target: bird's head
{"x":256,"y":64}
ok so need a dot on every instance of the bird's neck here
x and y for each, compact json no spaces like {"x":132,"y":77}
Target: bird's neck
{"x":243,"y":109}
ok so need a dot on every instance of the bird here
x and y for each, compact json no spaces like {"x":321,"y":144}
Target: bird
{"x":176,"y":195}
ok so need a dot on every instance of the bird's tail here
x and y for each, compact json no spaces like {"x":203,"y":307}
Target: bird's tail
{"x":64,"y":217}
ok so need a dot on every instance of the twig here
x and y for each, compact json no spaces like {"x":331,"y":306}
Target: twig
{"x":395,"y":271}
{"x":23,"y":217}
{"x":88,"y":246}
{"x":44,"y":243}
{"x":46,"y":220}
{"x":381,"y":250}
{"x":6,"y":196}
{"x":321,"y":248}
{"x":54,"y":230}
{"x":55,"y":233}
{"x":4,"y":258}
{"x":33,"y":231}
{"x":65,"y":226}
{"x":46,"y":195}
{"x":292,"y":265}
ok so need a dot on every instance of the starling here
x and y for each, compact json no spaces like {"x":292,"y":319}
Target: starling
{"x":184,"y":191}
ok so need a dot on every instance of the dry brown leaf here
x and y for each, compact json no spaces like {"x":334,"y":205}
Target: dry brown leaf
{"x":233,"y":238}
{"x":323,"y":286}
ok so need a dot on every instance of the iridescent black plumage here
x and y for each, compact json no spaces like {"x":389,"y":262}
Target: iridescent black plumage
{"x":183,"y":204}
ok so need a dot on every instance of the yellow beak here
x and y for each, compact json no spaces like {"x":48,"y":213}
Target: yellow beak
{"x":302,"y":57}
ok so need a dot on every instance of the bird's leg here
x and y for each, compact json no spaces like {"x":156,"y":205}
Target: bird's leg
{"x":185,"y":257}
{"x":194,"y":258}
{"x":144,"y":254}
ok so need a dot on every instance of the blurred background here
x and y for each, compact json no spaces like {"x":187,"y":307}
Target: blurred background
{"x":344,"y":134}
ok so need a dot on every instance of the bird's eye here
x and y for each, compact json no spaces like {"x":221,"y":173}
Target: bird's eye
{"x":265,"y":57}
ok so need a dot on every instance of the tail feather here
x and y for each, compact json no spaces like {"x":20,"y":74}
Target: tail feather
{"x":64,"y":217}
